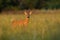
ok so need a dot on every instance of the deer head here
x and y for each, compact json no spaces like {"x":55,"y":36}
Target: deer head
{"x":28,"y":13}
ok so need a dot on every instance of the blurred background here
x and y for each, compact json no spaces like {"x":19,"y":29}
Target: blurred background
{"x":28,"y":4}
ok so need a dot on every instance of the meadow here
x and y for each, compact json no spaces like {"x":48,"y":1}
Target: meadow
{"x":43,"y":25}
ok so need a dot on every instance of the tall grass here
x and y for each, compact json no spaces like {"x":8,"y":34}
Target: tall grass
{"x":40,"y":27}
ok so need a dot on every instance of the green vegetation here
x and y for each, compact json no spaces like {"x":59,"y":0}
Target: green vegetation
{"x":41,"y":27}
{"x":29,"y":4}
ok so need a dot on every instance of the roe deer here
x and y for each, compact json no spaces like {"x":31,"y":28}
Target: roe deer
{"x":22,"y":22}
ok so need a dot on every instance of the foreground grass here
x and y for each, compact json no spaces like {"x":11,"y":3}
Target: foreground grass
{"x":40,"y":27}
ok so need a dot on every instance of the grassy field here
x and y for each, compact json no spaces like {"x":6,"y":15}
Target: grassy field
{"x":43,"y":26}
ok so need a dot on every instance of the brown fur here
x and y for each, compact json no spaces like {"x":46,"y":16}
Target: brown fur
{"x":22,"y":22}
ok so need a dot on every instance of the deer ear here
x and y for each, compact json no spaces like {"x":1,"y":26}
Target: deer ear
{"x":30,"y":12}
{"x":25,"y":12}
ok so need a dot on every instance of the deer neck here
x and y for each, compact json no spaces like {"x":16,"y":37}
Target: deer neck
{"x":27,"y":19}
